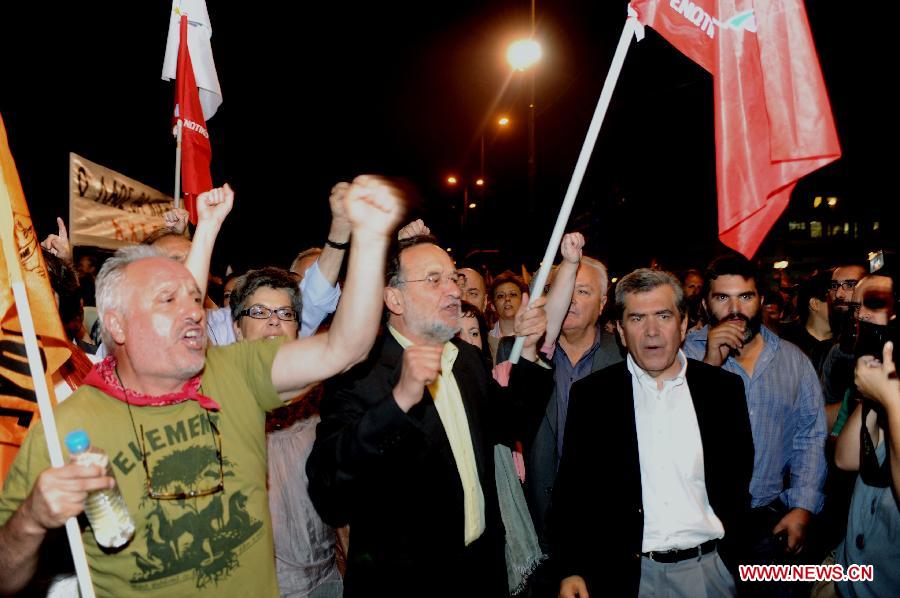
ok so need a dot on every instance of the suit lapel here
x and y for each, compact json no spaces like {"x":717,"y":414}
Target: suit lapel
{"x":424,"y":412}
{"x":631,"y":449}
{"x":700,"y":400}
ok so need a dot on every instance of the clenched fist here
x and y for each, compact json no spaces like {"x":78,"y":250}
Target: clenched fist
{"x":373,"y":205}
{"x":421,"y":367}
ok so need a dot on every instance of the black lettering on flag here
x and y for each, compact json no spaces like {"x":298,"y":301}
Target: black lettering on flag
{"x":24,"y":417}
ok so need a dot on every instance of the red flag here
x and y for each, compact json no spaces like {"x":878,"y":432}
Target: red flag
{"x":196,"y":151}
{"x":773,"y":119}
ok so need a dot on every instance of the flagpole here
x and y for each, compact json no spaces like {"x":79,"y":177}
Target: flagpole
{"x":631,"y":28}
{"x":73,"y":531}
{"x":178,"y":164}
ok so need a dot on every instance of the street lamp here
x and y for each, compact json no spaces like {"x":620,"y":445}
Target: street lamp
{"x":522,"y":54}
{"x":454,"y":181}
{"x":502,"y":122}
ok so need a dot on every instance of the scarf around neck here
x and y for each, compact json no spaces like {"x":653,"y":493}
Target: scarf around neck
{"x":103,"y":377}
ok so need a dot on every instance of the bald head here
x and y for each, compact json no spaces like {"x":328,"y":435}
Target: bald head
{"x":473,"y":287}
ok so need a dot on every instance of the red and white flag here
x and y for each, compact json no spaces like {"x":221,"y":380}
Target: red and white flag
{"x":773,"y":120}
{"x":194,"y":84}
{"x":199,"y":41}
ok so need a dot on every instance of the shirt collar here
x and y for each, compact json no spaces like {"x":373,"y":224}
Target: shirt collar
{"x":598,"y":337}
{"x":646,"y":379}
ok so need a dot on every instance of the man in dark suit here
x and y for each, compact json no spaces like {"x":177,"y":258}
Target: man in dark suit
{"x":654,"y":481}
{"x":404,"y":452}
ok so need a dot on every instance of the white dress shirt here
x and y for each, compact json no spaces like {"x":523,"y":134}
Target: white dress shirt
{"x":677,"y":513}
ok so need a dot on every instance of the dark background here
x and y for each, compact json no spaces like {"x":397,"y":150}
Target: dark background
{"x":316,"y":94}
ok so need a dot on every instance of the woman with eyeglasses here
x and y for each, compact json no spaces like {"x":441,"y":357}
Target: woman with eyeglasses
{"x":265,"y":304}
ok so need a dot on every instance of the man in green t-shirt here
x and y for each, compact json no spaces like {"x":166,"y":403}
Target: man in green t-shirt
{"x":183,"y":426}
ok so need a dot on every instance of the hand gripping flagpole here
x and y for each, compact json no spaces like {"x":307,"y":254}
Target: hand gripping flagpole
{"x":73,"y":531}
{"x":632,"y":28}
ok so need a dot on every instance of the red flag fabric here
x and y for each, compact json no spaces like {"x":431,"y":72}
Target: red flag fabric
{"x":196,"y":151}
{"x":773,"y":120}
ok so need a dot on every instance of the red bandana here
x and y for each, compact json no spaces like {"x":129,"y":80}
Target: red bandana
{"x":103,"y":377}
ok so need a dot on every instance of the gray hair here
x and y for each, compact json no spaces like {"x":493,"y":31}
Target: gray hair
{"x":604,"y":275}
{"x":268,"y":277}
{"x":110,"y":278}
{"x":644,"y":280}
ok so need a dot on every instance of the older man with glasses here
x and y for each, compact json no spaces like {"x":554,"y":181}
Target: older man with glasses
{"x":405,"y":450}
{"x":183,"y":425}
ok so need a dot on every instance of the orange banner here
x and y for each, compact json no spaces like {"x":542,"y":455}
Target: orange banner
{"x":21,"y":261}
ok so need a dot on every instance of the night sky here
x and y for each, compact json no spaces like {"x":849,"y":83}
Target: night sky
{"x":316,"y":94}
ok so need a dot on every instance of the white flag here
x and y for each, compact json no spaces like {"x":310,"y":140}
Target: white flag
{"x":199,"y":35}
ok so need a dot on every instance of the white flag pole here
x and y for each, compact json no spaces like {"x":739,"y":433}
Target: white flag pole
{"x":178,"y":164}
{"x":73,"y":531}
{"x":632,"y":28}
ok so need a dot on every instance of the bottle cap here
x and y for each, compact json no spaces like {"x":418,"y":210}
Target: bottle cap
{"x":77,"y":441}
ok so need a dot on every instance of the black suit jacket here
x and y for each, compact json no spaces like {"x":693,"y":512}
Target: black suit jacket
{"x":597,"y":519}
{"x":392,"y":476}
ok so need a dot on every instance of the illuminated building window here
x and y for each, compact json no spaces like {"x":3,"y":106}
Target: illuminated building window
{"x":815,"y":230}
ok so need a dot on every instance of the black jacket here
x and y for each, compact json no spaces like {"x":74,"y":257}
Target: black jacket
{"x":392,"y":476}
{"x":597,"y":518}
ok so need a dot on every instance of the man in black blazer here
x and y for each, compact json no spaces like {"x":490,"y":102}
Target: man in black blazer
{"x":404,"y":452}
{"x":654,"y":482}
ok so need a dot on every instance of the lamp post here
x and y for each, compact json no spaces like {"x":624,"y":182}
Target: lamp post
{"x":502,"y":122}
{"x":453,"y":181}
{"x":522,"y":55}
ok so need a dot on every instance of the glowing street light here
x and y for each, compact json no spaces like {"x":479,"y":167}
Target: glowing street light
{"x":503,"y":121}
{"x":473,"y":205}
{"x":479,"y":182}
{"x":523,"y":54}
{"x":452,"y":180}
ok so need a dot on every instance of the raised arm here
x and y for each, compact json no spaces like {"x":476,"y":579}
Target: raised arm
{"x":374,"y":207}
{"x":877,"y":381}
{"x":331,"y":258}
{"x":560,"y":296}
{"x":212,"y":208}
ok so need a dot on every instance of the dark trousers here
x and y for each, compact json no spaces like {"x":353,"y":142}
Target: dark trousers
{"x":764,"y":548}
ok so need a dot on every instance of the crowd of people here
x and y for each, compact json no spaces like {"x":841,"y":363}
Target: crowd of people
{"x":368,"y":434}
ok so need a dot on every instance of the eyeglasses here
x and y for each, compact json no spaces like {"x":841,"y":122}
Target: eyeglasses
{"x":434,"y":280}
{"x":217,"y":438}
{"x":220,"y":487}
{"x":847,"y":285}
{"x":261,"y":312}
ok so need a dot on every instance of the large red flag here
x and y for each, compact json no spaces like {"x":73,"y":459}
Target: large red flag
{"x":196,"y":151}
{"x":773,"y":119}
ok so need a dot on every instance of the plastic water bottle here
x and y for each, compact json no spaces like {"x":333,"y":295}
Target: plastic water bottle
{"x":105,"y":509}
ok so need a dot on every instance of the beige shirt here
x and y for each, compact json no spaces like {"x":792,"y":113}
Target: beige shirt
{"x":448,"y":402}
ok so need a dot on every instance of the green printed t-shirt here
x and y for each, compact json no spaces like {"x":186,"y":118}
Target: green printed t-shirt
{"x":211,"y":545}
